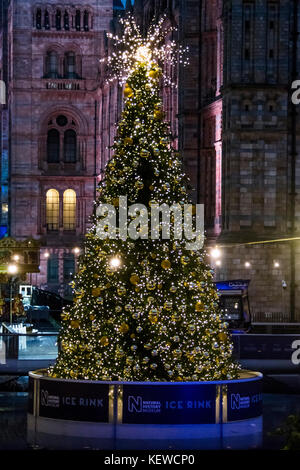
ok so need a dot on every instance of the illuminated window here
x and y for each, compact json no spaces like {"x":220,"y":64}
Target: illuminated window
{"x":70,"y":146}
{"x":69,"y":210}
{"x":52,"y":209}
{"x":53,"y":146}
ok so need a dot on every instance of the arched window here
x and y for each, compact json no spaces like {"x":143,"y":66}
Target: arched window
{"x":69,"y":210}
{"x":53,"y":149}
{"x":77,"y":20}
{"x":52,"y":209}
{"x":38,"y":20}
{"x":52,"y":65}
{"x":58,"y":19}
{"x":66,"y":21}
{"x":70,"y":146}
{"x":86,"y":20}
{"x":46,"y":20}
{"x":70,"y":66}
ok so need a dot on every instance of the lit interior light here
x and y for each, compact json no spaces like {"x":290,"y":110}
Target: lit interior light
{"x":16,"y":257}
{"x":115,"y":262}
{"x":76,"y":250}
{"x":143,"y":54}
{"x":12,"y":269}
{"x":47,"y":254}
{"x":218,"y":262}
{"x":276,"y":264}
{"x":247,"y":264}
{"x":215,"y":253}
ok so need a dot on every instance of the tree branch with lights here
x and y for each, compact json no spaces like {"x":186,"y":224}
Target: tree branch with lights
{"x":144,"y":309}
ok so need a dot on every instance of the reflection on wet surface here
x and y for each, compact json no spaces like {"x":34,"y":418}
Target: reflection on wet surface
{"x":277,"y":407}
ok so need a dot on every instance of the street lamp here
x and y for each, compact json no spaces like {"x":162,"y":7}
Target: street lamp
{"x":12,"y":269}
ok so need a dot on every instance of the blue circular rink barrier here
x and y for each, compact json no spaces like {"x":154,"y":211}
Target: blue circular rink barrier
{"x":76,"y":414}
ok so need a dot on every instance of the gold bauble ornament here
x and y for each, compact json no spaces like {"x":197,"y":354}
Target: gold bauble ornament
{"x":199,"y":307}
{"x":139,"y":184}
{"x":166,"y":264}
{"x":158,"y":114}
{"x":92,"y":317}
{"x":124,"y":328}
{"x":168,"y":305}
{"x":75,"y":324}
{"x":128,"y":141}
{"x":121,"y":290}
{"x":134,"y":279}
{"x":128,"y":91}
{"x":151,"y":285}
{"x":96,"y":291}
{"x":222,"y":336}
{"x":104,"y":341}
{"x":153,"y":318}
{"x":184,"y":260}
{"x":144,"y":153}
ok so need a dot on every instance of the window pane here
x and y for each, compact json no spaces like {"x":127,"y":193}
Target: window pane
{"x":77,"y":20}
{"x":86,"y":20}
{"x":53,"y":146}
{"x":70,"y":146}
{"x":69,"y":212}
{"x":52,"y":209}
{"x":58,"y":19}
{"x":39,"y":19}
{"x":70,"y":71}
{"x":66,"y":21}
{"x":53,"y":268}
{"x":69,"y":266}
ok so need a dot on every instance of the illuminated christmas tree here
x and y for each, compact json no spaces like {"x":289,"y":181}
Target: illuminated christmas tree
{"x":146,"y":308}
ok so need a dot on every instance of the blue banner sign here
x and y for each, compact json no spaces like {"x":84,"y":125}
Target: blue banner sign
{"x":169,"y":404}
{"x":74,"y":401}
{"x":244,"y":400}
{"x":239,"y":284}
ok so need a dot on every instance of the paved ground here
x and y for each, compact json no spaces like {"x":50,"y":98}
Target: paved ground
{"x":13,"y":418}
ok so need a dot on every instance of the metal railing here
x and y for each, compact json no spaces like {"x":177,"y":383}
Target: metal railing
{"x":270,"y":317}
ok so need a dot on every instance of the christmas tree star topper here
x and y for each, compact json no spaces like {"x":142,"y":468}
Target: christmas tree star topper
{"x":158,"y":47}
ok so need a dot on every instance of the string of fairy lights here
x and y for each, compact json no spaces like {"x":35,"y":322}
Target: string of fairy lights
{"x":216,"y":252}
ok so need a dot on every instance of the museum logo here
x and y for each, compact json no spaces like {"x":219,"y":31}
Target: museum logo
{"x":238,"y":402}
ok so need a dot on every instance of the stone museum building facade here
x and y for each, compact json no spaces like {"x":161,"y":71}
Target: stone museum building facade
{"x":232,"y":119}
